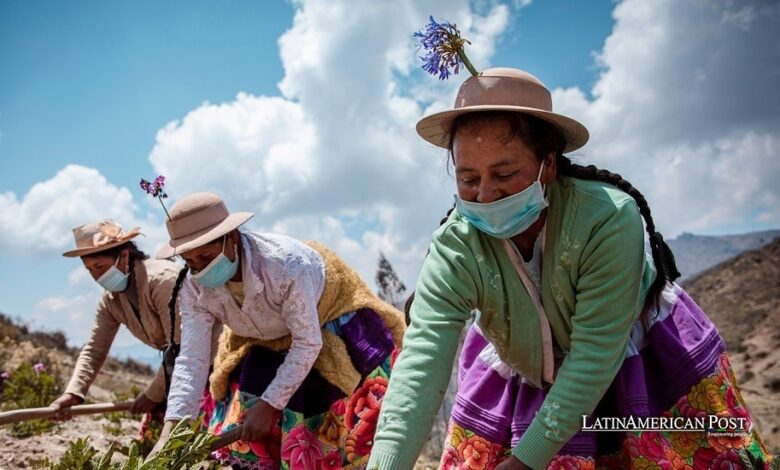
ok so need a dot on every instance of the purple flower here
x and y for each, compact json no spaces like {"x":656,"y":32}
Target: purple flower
{"x":158,"y":184}
{"x":5,"y":376}
{"x":155,"y":189}
{"x":444,"y":48}
{"x":39,"y":367}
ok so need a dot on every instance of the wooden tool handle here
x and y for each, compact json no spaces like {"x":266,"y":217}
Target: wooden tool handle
{"x":227,"y":438}
{"x":16,"y":416}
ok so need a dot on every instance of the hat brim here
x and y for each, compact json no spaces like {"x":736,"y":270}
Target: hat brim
{"x":181,"y":245}
{"x":97,"y":249}
{"x":436,"y":127}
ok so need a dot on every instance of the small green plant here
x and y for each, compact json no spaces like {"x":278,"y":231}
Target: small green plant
{"x":29,"y":386}
{"x":148,"y":436}
{"x":186,"y":447}
{"x":78,"y":455}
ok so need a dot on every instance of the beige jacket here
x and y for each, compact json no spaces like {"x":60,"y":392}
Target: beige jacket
{"x":154,"y":281}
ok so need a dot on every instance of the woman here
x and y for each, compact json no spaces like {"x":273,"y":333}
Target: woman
{"x":138,"y":294}
{"x":573,"y":319}
{"x":305,"y":356}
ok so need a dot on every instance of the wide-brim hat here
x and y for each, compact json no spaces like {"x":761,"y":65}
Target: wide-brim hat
{"x":196,"y":220}
{"x":502,"y":89}
{"x":99,"y":236}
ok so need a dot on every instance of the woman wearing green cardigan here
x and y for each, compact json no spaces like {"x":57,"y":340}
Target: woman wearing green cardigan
{"x":574,"y":322}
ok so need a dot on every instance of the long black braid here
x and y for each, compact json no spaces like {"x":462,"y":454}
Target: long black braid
{"x":543,"y":139}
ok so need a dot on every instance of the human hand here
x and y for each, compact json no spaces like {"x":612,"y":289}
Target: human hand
{"x":142,"y":404}
{"x":258,"y":421}
{"x":512,"y":463}
{"x":164,"y":432}
{"x":63,"y":404}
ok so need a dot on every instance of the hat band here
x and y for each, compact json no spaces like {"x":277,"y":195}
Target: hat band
{"x":197,"y":221}
{"x":503,"y":91}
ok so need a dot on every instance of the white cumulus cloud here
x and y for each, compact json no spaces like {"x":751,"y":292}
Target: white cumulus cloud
{"x":686,"y":108}
{"x":44,"y":217}
{"x":336,"y":158}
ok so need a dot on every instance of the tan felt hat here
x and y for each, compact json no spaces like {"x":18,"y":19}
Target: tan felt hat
{"x":99,"y":236}
{"x":196,"y":220}
{"x":502,"y":89}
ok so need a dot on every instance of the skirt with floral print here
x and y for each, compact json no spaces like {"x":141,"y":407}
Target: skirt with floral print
{"x":716,"y":394}
{"x":675,"y":368}
{"x":320,"y":428}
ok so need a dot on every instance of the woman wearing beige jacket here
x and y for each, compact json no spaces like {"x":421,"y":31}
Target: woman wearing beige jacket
{"x":138,"y":293}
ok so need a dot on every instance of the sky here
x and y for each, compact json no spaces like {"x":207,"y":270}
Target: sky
{"x":303,"y":112}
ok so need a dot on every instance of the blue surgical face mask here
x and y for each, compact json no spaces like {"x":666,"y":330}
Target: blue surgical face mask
{"x":219,"y":271}
{"x":113,"y":279}
{"x":509,"y":216}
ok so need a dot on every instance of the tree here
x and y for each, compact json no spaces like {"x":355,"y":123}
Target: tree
{"x":391,"y":289}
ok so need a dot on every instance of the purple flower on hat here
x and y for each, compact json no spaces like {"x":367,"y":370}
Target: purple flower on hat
{"x":39,"y":367}
{"x":155,"y":189}
{"x":444,"y":47}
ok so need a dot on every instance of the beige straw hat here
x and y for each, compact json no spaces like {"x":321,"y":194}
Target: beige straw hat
{"x":502,"y":89}
{"x":99,"y":236}
{"x":196,"y":220}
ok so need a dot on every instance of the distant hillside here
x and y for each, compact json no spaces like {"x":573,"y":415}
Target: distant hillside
{"x":696,"y":253}
{"x":19,"y":344}
{"x":742,"y":297}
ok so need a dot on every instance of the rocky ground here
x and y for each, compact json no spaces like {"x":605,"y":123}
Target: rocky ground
{"x":114,"y":379}
{"x":18,"y":453}
{"x":742,"y":297}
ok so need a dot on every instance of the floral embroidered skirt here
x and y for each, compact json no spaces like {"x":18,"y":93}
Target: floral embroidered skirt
{"x":676,"y":368}
{"x":320,"y":427}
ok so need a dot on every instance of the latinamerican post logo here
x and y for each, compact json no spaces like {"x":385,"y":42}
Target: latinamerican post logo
{"x":713,"y":425}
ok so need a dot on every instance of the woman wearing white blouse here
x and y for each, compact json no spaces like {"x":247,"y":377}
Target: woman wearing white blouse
{"x":294,"y":344}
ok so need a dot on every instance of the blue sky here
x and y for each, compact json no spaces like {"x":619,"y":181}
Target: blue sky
{"x":304,"y":113}
{"x":91,"y":82}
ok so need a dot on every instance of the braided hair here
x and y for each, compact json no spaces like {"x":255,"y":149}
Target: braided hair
{"x":543,"y":138}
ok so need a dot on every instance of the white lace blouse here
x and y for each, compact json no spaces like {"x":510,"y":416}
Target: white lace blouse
{"x":283,"y":280}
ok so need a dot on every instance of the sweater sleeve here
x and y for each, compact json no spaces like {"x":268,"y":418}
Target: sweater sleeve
{"x":192,"y":364}
{"x":607,"y":296}
{"x":93,"y":354}
{"x":300,"y":313}
{"x":445,"y":295}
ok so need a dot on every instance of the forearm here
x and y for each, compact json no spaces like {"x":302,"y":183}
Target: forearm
{"x":92,"y":357}
{"x":417,"y":387}
{"x":292,"y":372}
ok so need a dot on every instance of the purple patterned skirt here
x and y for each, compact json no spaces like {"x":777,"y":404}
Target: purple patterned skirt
{"x":677,"y":367}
